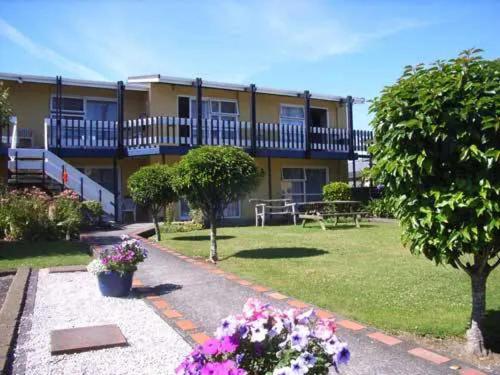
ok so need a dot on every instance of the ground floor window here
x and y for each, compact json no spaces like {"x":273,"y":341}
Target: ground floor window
{"x":303,"y":184}
{"x":103,"y":176}
{"x":231,"y":211}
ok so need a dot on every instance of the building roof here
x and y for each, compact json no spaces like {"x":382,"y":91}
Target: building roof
{"x":68,"y":81}
{"x":158,"y":78}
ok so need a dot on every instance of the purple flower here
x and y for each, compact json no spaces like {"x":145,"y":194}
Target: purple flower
{"x":211,"y":347}
{"x":343,"y":355}
{"x":229,"y":344}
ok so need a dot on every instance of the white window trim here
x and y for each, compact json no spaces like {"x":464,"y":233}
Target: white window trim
{"x":303,"y":107}
{"x":84,"y":98}
{"x":327,"y":176}
{"x":209,"y":98}
{"x":296,"y":118}
{"x":239,"y":212}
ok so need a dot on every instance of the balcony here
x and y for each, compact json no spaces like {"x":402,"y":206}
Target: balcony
{"x":173,"y":135}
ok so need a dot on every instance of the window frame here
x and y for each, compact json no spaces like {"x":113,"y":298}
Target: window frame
{"x":210,"y":99}
{"x":304,"y":109}
{"x":83,"y":113}
{"x":304,"y":180}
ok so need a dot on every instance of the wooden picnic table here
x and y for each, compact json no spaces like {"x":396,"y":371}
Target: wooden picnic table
{"x":319,"y":211}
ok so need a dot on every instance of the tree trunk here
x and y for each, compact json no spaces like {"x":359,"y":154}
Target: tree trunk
{"x":157,"y":227}
{"x":475,"y":339}
{"x":213,"y":239}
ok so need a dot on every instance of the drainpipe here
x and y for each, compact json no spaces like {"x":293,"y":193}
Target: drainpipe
{"x":253,"y":118}
{"x":307,"y":122}
{"x":199,"y":111}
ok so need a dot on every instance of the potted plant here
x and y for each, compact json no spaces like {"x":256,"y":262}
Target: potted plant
{"x":265,"y":340}
{"x":115,"y":267}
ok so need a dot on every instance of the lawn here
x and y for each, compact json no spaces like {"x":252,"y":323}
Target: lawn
{"x":364,"y":274}
{"x":43,"y":254}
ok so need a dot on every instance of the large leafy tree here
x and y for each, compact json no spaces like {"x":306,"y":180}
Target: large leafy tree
{"x":151,"y":186}
{"x":437,"y":150}
{"x":211,"y":177}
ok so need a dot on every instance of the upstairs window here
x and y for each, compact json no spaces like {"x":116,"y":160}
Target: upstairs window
{"x":291,"y":115}
{"x":212,"y":109}
{"x":85,"y":109}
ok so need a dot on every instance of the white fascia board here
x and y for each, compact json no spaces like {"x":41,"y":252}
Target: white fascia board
{"x":67,"y":81}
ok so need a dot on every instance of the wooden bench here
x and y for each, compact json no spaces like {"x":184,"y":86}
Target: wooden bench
{"x":320,"y":211}
{"x":273,"y":207}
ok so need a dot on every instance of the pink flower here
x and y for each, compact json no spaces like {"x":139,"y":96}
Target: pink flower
{"x":229,"y":344}
{"x":325,"y":328}
{"x":211,"y":347}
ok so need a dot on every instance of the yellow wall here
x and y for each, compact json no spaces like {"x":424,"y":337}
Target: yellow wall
{"x":31,"y":103}
{"x":163,"y":101}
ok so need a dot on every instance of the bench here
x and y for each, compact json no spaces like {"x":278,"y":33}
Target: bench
{"x":320,"y":211}
{"x":273,"y":207}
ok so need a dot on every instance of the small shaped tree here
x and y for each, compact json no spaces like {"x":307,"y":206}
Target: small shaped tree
{"x":211,"y":177}
{"x":437,"y":151}
{"x":151,"y":187}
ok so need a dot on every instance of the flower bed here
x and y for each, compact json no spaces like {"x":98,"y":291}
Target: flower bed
{"x":265,"y":340}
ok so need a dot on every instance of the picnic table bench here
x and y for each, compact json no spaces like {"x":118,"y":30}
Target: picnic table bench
{"x":320,"y":211}
{"x":273,"y":207}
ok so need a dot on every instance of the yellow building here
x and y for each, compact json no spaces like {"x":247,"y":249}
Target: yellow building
{"x":92,"y":136}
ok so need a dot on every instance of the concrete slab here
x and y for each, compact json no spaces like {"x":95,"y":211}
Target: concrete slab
{"x":75,"y":340}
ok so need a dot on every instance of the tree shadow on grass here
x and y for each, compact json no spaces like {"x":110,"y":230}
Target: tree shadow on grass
{"x":278,"y":252}
{"x":200,"y":238}
{"x":492,"y":330}
{"x":157,"y":290}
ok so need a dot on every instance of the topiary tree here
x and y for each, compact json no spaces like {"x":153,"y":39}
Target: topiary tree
{"x":151,"y":186}
{"x":211,"y":177}
{"x":437,"y":150}
{"x":337,"y":191}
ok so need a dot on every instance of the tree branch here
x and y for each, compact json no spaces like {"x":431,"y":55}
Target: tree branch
{"x":463,"y":266}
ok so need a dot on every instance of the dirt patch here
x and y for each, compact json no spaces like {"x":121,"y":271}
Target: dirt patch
{"x":454,"y":347}
{"x":5,"y":282}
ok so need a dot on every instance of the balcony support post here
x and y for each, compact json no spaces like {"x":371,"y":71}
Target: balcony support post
{"x":58,"y":110}
{"x":253,"y":118}
{"x":353,"y":173}
{"x":115,"y":188}
{"x":199,"y":112}
{"x":119,"y":136}
{"x":350,"y":126}
{"x":307,"y":123}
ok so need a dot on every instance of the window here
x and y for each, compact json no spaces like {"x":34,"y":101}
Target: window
{"x":291,"y":115}
{"x":303,"y":184}
{"x":217,"y":109}
{"x":85,"y":109}
{"x":231,"y":211}
{"x":103,"y":176}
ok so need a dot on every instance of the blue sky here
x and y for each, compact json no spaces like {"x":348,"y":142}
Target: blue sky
{"x":329,"y":47}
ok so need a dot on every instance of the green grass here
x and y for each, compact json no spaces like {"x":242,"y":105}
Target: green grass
{"x":43,"y":254}
{"x":364,"y":274}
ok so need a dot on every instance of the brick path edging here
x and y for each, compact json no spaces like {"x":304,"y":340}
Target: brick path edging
{"x":10,"y":315}
{"x":189,"y":330}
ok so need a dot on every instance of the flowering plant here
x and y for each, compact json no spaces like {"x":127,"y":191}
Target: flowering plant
{"x":122,"y":258}
{"x":265,"y":340}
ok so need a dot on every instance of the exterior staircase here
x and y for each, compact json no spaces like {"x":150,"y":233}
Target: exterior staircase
{"x":40,"y":167}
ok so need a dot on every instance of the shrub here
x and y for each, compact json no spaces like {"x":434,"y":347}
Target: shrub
{"x":382,"y":207}
{"x":264,"y":340}
{"x":66,"y":214}
{"x":24,"y":214}
{"x":181,"y":227}
{"x":337,"y":191}
{"x":92,"y":212}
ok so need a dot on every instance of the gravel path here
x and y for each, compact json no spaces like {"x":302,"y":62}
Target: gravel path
{"x":73,"y":300}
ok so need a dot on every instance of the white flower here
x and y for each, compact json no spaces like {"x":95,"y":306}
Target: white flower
{"x":96,"y":267}
{"x":306,"y":316}
{"x":298,"y":367}
{"x":227,"y":327}
{"x":282,"y":371}
{"x":277,"y":328}
{"x":258,"y":330}
{"x":124,"y":237}
{"x":299,"y":338}
{"x":308,"y":359}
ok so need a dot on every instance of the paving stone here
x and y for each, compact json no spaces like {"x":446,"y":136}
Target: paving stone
{"x":428,"y":355}
{"x":200,"y":337}
{"x":171,"y":313}
{"x":259,"y":288}
{"x":471,"y":371}
{"x":185,"y":325}
{"x":323,"y":314}
{"x":74,"y":340}
{"x":277,"y":296}
{"x":243,"y":282}
{"x":351,"y":325}
{"x":161,"y":304}
{"x":297,"y":304}
{"x":386,"y":339}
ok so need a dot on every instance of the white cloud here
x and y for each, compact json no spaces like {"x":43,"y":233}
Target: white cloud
{"x":44,"y":53}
